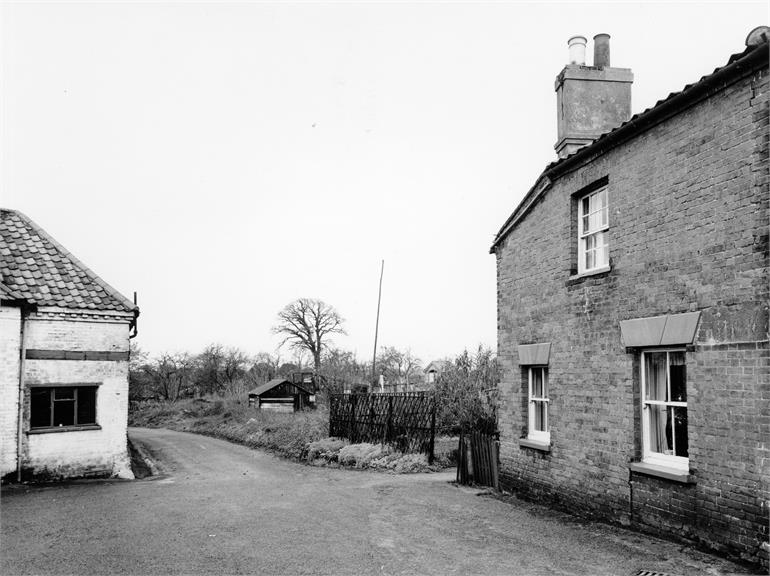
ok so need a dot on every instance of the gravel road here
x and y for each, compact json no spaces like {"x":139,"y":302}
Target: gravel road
{"x":219,"y":508}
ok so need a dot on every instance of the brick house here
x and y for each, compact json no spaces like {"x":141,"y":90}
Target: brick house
{"x":64,"y":347}
{"x":633,"y":307}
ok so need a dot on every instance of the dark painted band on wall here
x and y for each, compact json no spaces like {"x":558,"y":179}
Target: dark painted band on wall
{"x":77,"y":355}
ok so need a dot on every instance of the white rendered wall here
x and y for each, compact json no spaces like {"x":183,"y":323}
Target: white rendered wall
{"x":80,"y":452}
{"x":10,"y":346}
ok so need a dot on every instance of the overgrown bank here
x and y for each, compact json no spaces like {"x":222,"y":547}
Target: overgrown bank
{"x":300,"y":436}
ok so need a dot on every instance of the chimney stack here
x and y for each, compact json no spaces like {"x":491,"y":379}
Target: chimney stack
{"x":591,"y":100}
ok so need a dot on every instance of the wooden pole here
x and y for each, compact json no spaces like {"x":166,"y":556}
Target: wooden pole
{"x":377,"y":327}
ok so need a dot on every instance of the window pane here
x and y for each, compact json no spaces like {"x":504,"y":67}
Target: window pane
{"x":602,"y":256}
{"x":87,"y":405}
{"x":586,"y":226}
{"x":537,"y":382}
{"x":680,"y":432}
{"x":40,"y":408}
{"x":540,"y":416}
{"x":64,"y":393}
{"x":659,"y":433}
{"x":589,"y":260}
{"x":586,"y":204}
{"x":64,"y":412}
{"x":655,"y":376}
{"x":678,"y":375}
{"x":602,"y":200}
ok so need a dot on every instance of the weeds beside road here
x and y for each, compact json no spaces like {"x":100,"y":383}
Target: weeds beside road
{"x":234,"y":420}
{"x":298,"y":436}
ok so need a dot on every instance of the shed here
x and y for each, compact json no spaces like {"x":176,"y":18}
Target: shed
{"x":282,"y":395}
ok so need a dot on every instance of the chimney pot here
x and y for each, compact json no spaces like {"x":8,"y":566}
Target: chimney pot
{"x":601,"y":50}
{"x":577,"y":50}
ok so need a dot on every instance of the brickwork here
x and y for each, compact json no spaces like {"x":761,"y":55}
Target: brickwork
{"x":82,"y":452}
{"x":689,"y":215}
{"x":10,"y":339}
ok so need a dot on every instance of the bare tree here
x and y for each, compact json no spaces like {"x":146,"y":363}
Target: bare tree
{"x":306,"y":324}
{"x":171,"y":374}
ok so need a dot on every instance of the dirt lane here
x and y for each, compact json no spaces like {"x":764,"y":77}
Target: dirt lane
{"x":220,"y":508}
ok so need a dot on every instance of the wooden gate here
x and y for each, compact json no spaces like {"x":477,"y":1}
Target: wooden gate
{"x":477,"y":459}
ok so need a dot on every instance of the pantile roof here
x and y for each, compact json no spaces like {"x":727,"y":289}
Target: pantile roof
{"x":36,"y":268}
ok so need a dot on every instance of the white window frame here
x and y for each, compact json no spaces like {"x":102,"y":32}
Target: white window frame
{"x":532,"y":433}
{"x":595,"y":232}
{"x":648,"y":456}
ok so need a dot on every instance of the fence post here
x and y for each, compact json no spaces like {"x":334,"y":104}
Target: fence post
{"x":432,"y":431}
{"x":353,"y":418}
{"x":495,"y":455}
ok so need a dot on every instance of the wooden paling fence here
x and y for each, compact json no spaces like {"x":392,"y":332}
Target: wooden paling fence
{"x":406,"y":421}
{"x":477,"y":459}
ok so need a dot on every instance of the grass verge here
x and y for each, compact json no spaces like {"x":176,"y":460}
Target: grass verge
{"x":299,"y":436}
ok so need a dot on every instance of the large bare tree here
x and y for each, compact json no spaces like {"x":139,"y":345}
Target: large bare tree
{"x":306,"y":324}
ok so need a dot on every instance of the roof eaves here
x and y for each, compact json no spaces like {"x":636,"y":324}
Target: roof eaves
{"x":125,"y":302}
{"x":542,"y":183}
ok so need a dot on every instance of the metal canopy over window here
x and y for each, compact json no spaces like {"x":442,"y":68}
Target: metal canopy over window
{"x":534,"y":354}
{"x":668,"y":330}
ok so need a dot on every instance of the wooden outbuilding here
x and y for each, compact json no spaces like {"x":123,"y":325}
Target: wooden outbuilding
{"x":283,"y":395}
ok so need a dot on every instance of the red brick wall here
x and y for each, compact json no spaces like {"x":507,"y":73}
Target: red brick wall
{"x":689,"y":217}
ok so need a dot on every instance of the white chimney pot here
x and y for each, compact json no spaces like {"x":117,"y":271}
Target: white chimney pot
{"x":577,"y":50}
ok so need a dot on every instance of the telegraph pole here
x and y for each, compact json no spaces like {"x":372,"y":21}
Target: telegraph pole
{"x":377,"y":327}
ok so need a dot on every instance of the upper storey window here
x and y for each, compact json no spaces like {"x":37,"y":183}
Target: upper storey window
{"x":593,"y":223}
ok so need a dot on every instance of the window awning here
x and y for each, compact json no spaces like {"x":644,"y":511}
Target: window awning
{"x":668,"y":330}
{"x":530,"y":354}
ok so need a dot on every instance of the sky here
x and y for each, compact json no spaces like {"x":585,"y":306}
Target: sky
{"x":223,"y":159}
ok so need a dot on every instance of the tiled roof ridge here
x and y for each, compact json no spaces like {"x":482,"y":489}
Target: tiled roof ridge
{"x":125,"y":302}
{"x":627,"y":129}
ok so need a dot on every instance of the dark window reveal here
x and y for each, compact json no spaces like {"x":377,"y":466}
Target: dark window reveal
{"x":62,"y":406}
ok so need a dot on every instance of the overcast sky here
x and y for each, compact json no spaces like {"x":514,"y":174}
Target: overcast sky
{"x":223,"y":159}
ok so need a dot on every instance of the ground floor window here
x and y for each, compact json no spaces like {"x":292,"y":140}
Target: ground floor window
{"x":538,"y":404}
{"x":61,"y":406}
{"x":664,"y":407}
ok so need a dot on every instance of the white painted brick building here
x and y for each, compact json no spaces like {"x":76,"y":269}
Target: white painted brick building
{"x":64,"y":351}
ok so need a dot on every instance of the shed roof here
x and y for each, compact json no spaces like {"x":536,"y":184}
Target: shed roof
{"x":259,"y":390}
{"x":436,"y":366}
{"x":35,"y":267}
{"x":737,"y":66}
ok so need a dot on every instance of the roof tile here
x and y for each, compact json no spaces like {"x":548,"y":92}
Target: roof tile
{"x":34,"y":267}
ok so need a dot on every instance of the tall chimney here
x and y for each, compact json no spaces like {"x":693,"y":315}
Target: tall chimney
{"x":602,"y":50}
{"x":591,"y":100}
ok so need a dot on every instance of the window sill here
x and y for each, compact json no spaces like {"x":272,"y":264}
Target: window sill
{"x":594,"y":272}
{"x":673,"y":474}
{"x":541,"y":445}
{"x":54,"y":429}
